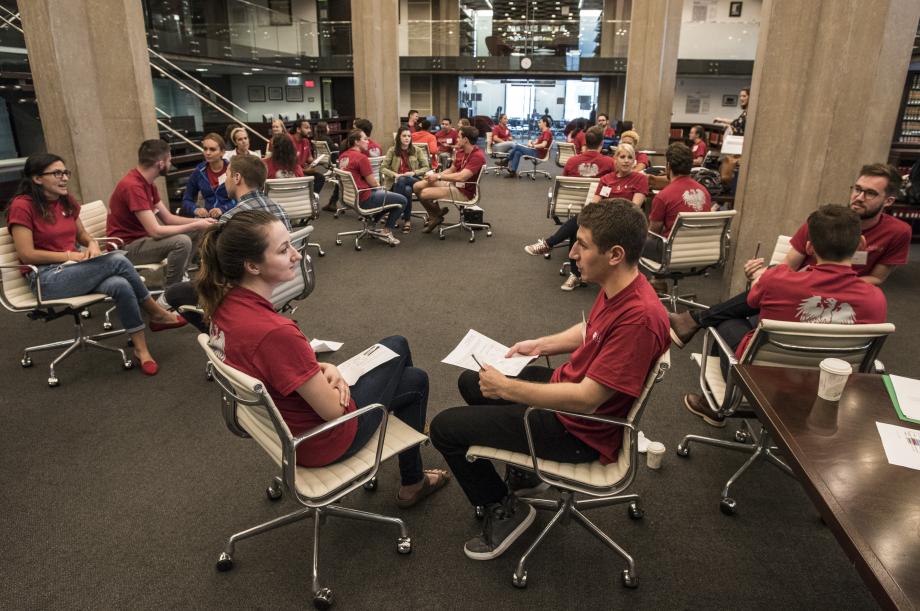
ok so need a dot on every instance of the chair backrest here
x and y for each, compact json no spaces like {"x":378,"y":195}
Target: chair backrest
{"x":304,"y":282}
{"x":94,"y":216}
{"x":569,"y":195}
{"x":15,"y":293}
{"x":634,"y":416}
{"x":698,"y":240}
{"x":475,"y":199}
{"x":782,"y":248}
{"x":376,"y":162}
{"x":248,"y":408}
{"x":564,"y":152}
{"x":489,"y":143}
{"x":294,"y":196}
{"x":805,"y":345}
{"x":424,"y":147}
{"x":322,"y":148}
{"x":348,"y":190}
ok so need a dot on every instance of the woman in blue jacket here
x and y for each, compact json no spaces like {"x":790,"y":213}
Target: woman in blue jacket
{"x":208,"y":180}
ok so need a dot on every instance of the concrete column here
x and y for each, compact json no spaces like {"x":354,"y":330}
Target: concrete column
{"x":93,"y":86}
{"x":444,"y":97}
{"x":651,"y":69}
{"x":825,"y":96}
{"x":615,"y":28}
{"x":376,"y":61}
{"x":445,"y":30}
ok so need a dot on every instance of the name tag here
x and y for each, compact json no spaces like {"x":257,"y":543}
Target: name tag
{"x":221,"y":179}
{"x":860,"y":257}
{"x":605,"y":191}
{"x":449,"y":140}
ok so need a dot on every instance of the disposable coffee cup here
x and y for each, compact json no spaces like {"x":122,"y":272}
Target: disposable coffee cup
{"x":655,"y":453}
{"x":834,"y":375}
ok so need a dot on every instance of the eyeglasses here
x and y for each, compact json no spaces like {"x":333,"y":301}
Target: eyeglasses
{"x":869,"y":193}
{"x":58,"y":174}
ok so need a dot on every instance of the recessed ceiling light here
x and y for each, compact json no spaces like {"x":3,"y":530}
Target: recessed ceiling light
{"x":201,"y":69}
{"x":247,"y":74}
{"x":257,"y":69}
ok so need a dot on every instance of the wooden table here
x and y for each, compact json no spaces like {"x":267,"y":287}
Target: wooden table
{"x":872,"y":507}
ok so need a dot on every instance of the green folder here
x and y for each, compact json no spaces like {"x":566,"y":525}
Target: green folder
{"x":894,"y":400}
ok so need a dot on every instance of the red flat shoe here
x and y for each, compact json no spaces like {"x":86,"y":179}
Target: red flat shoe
{"x":148,"y":368}
{"x":162,"y":326}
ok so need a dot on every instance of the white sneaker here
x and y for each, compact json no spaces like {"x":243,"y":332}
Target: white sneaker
{"x":540,"y":247}
{"x":571,"y":283}
{"x":390,"y":239}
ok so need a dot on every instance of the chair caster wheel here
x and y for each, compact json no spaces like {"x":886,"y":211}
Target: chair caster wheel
{"x":274,"y":492}
{"x":323,"y":598}
{"x":473,"y":239}
{"x":479,"y":512}
{"x":321,"y":253}
{"x":683,"y":450}
{"x":224,"y":562}
{"x":26,"y":361}
{"x":441,"y":237}
{"x":519,"y":581}
{"x":635,"y":512}
{"x":53,"y":381}
{"x":562,"y":272}
{"x":489,"y":233}
{"x":548,"y":256}
{"x":86,"y":314}
{"x":107,"y":326}
{"x":630,"y":580}
{"x":338,"y":242}
{"x":371,"y":484}
{"x":404,"y":545}
{"x":727,"y":506}
{"x":741,"y":436}
{"x":357,"y":247}
{"x":128,"y":365}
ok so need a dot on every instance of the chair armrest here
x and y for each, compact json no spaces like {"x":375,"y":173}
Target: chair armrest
{"x":656,"y":236}
{"x":299,"y":237}
{"x":729,"y":401}
{"x":34,"y":269}
{"x":118,"y":243}
{"x":713,"y":335}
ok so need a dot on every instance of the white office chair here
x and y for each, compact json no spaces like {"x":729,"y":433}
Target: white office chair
{"x":296,"y":197}
{"x":698,"y":243}
{"x":564,"y":152}
{"x":493,"y":154}
{"x":462,"y":207}
{"x":536,"y":161}
{"x":16,"y":296}
{"x":565,"y":199}
{"x":775,"y":344}
{"x":350,"y":197}
{"x":604,"y":484}
{"x":249,"y":411}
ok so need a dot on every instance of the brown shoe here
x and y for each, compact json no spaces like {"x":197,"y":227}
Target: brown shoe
{"x":697,"y":406}
{"x":433,"y":221}
{"x":683,"y":328}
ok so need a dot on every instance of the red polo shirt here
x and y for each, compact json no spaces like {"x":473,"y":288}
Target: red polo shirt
{"x":274,"y":171}
{"x":613,"y":185}
{"x":502,"y":132}
{"x":547,"y":137}
{"x":826,"y":293}
{"x":699,"y":150}
{"x":59,"y":235}
{"x":624,"y":336}
{"x":579,"y":141}
{"x":887,"y":242}
{"x":132,"y":194}
{"x":609,"y":132}
{"x":373,"y":149}
{"x":359,"y":165}
{"x":589,"y":164}
{"x":304,"y":150}
{"x":474,"y":163}
{"x":683,"y":194}
{"x":247,"y":334}
{"x":447,"y":139}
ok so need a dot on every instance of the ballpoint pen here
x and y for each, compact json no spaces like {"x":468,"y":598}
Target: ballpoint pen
{"x":477,"y":360}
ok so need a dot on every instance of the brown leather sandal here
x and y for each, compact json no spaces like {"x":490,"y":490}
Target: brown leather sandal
{"x":427,"y":488}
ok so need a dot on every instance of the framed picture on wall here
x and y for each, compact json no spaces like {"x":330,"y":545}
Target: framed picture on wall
{"x":294,"y":94}
{"x":275,"y":94}
{"x":734,"y":9}
{"x":730,"y":100}
{"x":280,"y":12}
{"x":256,"y":93}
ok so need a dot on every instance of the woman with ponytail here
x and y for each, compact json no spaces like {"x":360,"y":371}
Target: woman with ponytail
{"x":242,"y":261}
{"x":44,"y":220}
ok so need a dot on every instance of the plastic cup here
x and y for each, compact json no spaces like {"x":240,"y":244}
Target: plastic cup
{"x":834,"y":375}
{"x":654,"y":454}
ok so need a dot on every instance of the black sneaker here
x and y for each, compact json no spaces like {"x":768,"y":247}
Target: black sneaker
{"x":522,"y":482}
{"x":504,"y":522}
{"x":698,"y":406}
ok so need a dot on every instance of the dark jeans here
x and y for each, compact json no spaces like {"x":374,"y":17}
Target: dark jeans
{"x":380,"y":197}
{"x":734,"y":308}
{"x":319,"y":181}
{"x":403,"y":390}
{"x":403,"y":186}
{"x":498,"y":423}
{"x":567,"y":231}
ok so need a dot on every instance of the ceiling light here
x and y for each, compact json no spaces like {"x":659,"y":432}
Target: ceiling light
{"x":257,"y":69}
{"x":201,"y":69}
{"x":247,"y":74}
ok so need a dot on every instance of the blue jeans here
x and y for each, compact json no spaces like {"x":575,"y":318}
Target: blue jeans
{"x":403,"y":186}
{"x":403,"y":390}
{"x":514,"y":158}
{"x":380,"y":197}
{"x":111,"y":274}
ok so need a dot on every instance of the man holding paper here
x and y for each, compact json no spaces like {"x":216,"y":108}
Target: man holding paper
{"x":611,"y":354}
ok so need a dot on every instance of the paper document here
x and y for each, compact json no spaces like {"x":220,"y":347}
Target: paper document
{"x":365,"y":361}
{"x":905,"y":394}
{"x":902,"y":445}
{"x":732,"y":145}
{"x":324,"y":158}
{"x":325,"y":345}
{"x":477,"y":347}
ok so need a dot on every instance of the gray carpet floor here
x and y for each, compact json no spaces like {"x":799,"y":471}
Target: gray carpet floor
{"x":118,"y":491}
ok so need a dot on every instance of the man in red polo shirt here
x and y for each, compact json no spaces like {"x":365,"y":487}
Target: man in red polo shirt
{"x":373,"y":149}
{"x":590,"y":164}
{"x":149,"y":230}
{"x":447,"y":138}
{"x":612,"y":352}
{"x":412,"y":121}
{"x":502,"y":141}
{"x":698,"y":144}
{"x":827,"y":291}
{"x":458,"y":182}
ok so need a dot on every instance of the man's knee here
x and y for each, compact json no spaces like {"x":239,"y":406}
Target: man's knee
{"x":442,"y":429}
{"x":182,"y":242}
{"x":468,"y":384}
{"x":396,"y":343}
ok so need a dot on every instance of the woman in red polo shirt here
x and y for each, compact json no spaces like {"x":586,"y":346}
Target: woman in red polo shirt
{"x":242,"y":261}
{"x":283,"y":162}
{"x":44,"y":220}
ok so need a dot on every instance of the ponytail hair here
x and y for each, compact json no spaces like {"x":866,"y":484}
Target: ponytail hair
{"x":224,"y":250}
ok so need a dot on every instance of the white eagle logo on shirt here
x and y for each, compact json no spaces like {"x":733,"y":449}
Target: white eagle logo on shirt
{"x":825,"y":310}
{"x":588,"y":170}
{"x":343,"y":164}
{"x":695,"y":198}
